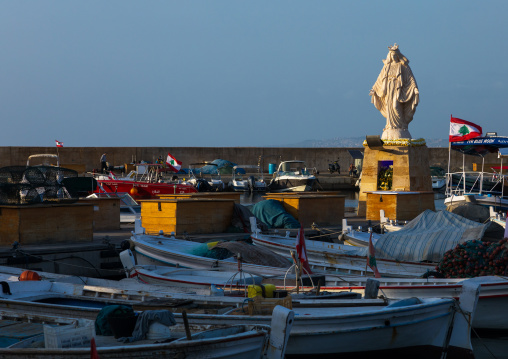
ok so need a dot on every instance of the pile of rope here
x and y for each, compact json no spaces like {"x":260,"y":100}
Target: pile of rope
{"x":475,"y":258}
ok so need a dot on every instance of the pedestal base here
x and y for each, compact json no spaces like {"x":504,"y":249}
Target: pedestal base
{"x":401,"y":206}
{"x":410,"y":164}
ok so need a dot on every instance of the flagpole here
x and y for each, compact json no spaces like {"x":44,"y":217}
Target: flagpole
{"x":449,"y":179}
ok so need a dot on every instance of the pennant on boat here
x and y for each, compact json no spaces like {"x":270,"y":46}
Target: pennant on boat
{"x":371,"y":258}
{"x":301,"y":251}
{"x":173,"y":163}
{"x":93,"y":350}
{"x":112,"y":175}
{"x":59,"y":144}
{"x":461,"y":130}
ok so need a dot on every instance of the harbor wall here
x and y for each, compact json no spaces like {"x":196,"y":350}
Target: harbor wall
{"x":88,"y":157}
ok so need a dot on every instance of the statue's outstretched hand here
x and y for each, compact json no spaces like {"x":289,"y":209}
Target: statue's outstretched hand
{"x":371,"y":92}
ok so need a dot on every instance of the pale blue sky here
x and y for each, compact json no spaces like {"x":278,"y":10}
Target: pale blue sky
{"x":240,"y":73}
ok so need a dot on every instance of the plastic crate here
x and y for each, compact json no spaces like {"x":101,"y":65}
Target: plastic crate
{"x":77,"y":335}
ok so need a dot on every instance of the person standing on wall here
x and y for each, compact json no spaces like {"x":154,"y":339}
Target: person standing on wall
{"x":104,"y":165}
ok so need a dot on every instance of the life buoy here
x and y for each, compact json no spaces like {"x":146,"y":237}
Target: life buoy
{"x":29,"y":275}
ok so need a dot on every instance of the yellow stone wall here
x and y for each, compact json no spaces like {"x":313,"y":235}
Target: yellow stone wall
{"x":411,"y":170}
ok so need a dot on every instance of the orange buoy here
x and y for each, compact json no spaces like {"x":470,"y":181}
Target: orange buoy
{"x":133,"y":191}
{"x":29,"y":275}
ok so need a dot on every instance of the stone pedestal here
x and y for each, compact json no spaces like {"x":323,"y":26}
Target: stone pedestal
{"x":411,"y":169}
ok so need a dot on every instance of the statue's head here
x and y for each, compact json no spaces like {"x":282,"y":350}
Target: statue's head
{"x":394,"y":55}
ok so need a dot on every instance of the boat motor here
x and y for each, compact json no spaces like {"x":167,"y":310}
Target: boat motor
{"x":251,"y":182}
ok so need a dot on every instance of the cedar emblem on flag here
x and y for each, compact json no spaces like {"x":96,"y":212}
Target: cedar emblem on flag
{"x":173,"y":163}
{"x":461,"y":130}
{"x":59,"y":144}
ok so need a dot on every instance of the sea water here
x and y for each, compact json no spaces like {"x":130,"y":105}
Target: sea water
{"x":351,"y":200}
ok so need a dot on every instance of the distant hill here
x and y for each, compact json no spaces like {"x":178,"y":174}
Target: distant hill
{"x":355,"y":142}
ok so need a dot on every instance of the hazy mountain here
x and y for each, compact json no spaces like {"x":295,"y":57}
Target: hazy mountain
{"x":355,"y":142}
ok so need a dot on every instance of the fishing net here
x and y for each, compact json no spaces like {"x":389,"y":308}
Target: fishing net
{"x":20,"y":185}
{"x":475,"y":258}
{"x":255,"y":254}
{"x":11,"y":174}
{"x":208,"y":250}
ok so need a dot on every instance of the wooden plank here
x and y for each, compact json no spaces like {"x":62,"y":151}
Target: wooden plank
{"x":44,"y":223}
{"x":106,"y":214}
{"x":398,"y":206}
{"x":191,"y":215}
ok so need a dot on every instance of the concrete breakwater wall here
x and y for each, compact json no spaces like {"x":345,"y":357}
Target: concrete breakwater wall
{"x":88,"y":157}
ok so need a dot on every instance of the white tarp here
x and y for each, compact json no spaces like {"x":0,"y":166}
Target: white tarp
{"x":428,"y":237}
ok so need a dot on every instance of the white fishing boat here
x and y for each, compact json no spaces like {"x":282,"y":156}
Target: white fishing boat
{"x":292,"y":176}
{"x":238,"y":341}
{"x":206,"y":182}
{"x":492,"y":303}
{"x":498,"y":217}
{"x":193,"y":278}
{"x":169,"y":251}
{"x":247,"y":178}
{"x":438,"y":177}
{"x":357,"y":237}
{"x":342,"y":259}
{"x":359,"y":327}
{"x":338,"y":258}
{"x":411,"y":251}
{"x":482,"y":187}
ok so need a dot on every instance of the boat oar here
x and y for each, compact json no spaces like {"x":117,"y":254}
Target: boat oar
{"x":186,"y":325}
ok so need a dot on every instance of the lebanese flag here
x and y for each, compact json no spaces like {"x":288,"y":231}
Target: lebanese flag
{"x":59,"y":144}
{"x":301,"y":251}
{"x":461,"y":130}
{"x":371,"y":259}
{"x":173,"y":163}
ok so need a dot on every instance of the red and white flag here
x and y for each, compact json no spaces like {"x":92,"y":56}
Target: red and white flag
{"x":173,"y":163}
{"x":59,"y":144}
{"x":461,"y":130}
{"x":301,"y":251}
{"x":371,"y":258}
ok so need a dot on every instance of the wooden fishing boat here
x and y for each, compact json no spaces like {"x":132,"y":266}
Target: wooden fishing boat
{"x":490,"y":312}
{"x":169,"y":251}
{"x":354,"y":328}
{"x":238,"y":341}
{"x":338,"y":258}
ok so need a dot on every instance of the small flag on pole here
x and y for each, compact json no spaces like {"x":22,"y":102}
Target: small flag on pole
{"x":59,"y":144}
{"x":173,"y":163}
{"x":461,"y":130}
{"x":371,"y":258}
{"x":301,"y":251}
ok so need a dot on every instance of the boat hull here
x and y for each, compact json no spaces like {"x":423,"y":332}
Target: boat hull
{"x":143,"y":190}
{"x":162,"y":251}
{"x":333,"y":257}
{"x":292,"y":184}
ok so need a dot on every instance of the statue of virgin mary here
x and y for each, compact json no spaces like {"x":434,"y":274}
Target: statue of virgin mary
{"x":395,"y":94}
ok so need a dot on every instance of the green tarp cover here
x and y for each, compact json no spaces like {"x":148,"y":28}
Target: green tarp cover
{"x":272,"y":213}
